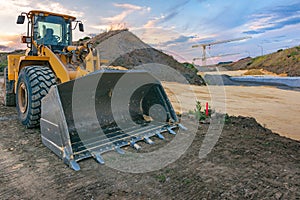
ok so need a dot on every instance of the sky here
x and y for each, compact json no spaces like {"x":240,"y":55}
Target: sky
{"x":174,"y":26}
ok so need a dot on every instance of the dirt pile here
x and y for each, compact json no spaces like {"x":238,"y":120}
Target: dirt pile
{"x":123,"y":48}
{"x":248,"y":162}
{"x":281,"y":62}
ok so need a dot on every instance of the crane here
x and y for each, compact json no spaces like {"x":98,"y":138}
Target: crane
{"x":203,"y":46}
{"x":217,"y":56}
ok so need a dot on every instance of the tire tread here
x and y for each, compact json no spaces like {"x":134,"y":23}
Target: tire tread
{"x":40,"y":79}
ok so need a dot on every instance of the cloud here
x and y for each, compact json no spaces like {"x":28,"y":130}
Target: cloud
{"x":273,"y":19}
{"x":18,"y":6}
{"x":206,"y":41}
{"x":117,"y":18}
{"x":10,"y":42}
{"x":180,"y":39}
{"x":131,"y":7}
{"x":57,"y":7}
{"x":4,"y":48}
{"x":159,"y":20}
{"x":27,"y":5}
{"x":153,"y":22}
{"x":179,"y":5}
{"x":171,"y":13}
{"x":274,"y":39}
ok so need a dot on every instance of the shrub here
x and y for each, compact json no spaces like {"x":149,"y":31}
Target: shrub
{"x":3,"y":64}
{"x":279,"y":50}
{"x":294,"y":53}
{"x":199,"y":114}
{"x":190,"y":66}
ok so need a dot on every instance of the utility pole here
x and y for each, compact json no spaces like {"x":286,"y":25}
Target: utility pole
{"x":248,"y":52}
{"x":262,"y":49}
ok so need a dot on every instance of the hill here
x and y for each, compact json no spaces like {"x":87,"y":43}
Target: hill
{"x":123,"y":48}
{"x":281,"y":62}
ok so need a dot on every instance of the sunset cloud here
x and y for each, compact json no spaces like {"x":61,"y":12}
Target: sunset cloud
{"x":117,"y":18}
{"x":27,"y":5}
{"x":131,"y":7}
{"x":10,"y":42}
{"x":128,"y":9}
{"x":171,"y":25}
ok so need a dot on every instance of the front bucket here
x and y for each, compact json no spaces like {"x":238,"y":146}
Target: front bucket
{"x":104,"y":111}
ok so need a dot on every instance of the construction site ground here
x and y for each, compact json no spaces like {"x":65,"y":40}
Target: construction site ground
{"x":249,"y":161}
{"x":274,"y":108}
{"x":272,"y":105}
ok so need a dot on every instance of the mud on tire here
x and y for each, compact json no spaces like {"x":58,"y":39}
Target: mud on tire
{"x":9,"y":98}
{"x":34,"y":83}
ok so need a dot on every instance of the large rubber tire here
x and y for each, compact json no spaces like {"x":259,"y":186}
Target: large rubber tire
{"x":9,"y":98}
{"x":33,"y":84}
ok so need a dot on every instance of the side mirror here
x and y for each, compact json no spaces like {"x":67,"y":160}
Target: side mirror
{"x":21,"y":19}
{"x":81,"y":28}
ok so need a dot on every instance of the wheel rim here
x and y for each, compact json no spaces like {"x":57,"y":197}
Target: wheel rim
{"x":23,"y":98}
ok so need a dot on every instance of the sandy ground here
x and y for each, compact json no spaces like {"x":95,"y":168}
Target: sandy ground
{"x":276,"y":109}
{"x":247,"y":162}
{"x":229,"y":73}
{"x":212,"y":70}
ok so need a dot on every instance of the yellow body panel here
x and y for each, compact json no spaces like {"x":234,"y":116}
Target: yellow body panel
{"x":46,"y":13}
{"x":56,"y":64}
{"x":13,"y":65}
{"x":17,"y":62}
{"x":92,"y":62}
{"x":104,"y":61}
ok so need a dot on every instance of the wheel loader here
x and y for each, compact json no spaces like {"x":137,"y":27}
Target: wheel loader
{"x":82,"y":110}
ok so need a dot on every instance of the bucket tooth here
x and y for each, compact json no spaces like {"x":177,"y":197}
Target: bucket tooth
{"x":171,"y":131}
{"x":119,"y":150}
{"x":160,"y":136}
{"x":182,"y":127}
{"x":135,"y":146}
{"x":98,"y":158}
{"x":74,"y":165}
{"x":148,"y":140}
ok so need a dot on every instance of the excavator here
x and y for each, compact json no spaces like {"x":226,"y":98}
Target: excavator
{"x":82,"y":110}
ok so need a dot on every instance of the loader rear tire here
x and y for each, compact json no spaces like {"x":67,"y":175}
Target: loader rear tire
{"x":9,"y":96}
{"x":33,"y":85}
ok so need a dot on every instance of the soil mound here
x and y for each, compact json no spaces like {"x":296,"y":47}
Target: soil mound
{"x":123,"y":48}
{"x":281,"y":62}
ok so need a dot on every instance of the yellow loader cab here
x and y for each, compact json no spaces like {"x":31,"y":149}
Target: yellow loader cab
{"x":50,"y":59}
{"x":82,"y":111}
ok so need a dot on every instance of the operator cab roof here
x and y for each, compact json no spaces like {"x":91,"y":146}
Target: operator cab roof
{"x":46,"y":13}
